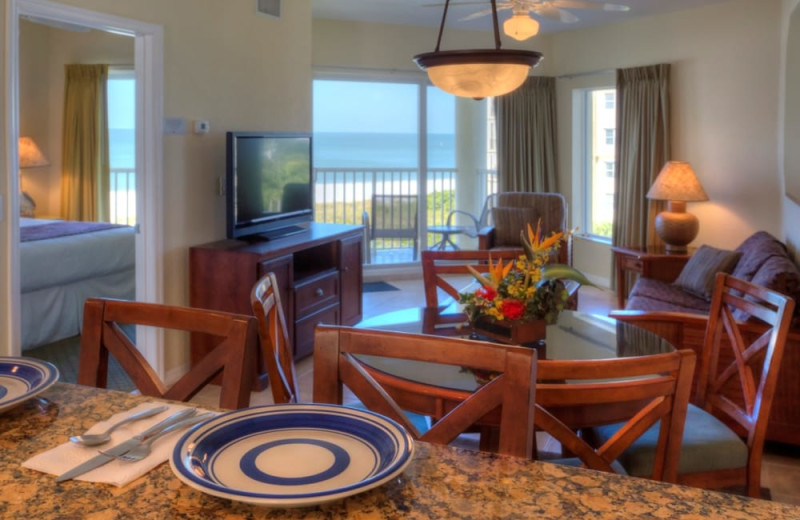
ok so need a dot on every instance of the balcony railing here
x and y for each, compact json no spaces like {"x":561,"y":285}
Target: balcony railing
{"x":343,"y":195}
{"x":123,"y":196}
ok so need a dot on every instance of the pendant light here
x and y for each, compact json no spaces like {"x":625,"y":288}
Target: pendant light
{"x":477,"y":73}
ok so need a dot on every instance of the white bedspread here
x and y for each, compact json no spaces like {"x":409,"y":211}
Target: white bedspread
{"x":57,"y":261}
{"x":58,"y":274}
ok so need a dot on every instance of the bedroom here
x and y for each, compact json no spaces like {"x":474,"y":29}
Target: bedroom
{"x":63,"y":261}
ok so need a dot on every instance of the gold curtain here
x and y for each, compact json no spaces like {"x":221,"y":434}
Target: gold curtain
{"x":85,"y":162}
{"x":642,"y":147}
{"x":526,"y":137}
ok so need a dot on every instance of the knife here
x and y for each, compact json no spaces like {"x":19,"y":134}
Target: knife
{"x":108,"y":455}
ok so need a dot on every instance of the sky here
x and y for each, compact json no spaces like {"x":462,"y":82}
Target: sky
{"x":121,"y":100}
{"x":356,"y":107}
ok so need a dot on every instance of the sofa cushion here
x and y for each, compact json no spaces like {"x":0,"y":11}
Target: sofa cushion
{"x":755,"y":250}
{"x":699,"y":273}
{"x":663,"y":295}
{"x":642,"y":303}
{"x":780,"y":274}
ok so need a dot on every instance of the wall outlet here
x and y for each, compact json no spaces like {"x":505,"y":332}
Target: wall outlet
{"x":201,"y":127}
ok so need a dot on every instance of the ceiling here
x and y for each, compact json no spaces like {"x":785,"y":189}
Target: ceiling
{"x":429,"y":12}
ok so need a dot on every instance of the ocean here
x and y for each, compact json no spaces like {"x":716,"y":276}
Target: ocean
{"x":379,"y":150}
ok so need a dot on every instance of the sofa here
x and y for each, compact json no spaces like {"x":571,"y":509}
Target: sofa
{"x":677,"y":314}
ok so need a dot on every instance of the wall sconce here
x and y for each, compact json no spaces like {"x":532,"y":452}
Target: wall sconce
{"x":677,"y":184}
{"x":30,"y":156}
{"x":477,"y":73}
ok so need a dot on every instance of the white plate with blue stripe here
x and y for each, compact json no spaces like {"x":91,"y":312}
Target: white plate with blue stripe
{"x":292,"y":455}
{"x":22,"y":378}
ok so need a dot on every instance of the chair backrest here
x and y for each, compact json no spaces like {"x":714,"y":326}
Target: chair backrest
{"x":637,"y":391}
{"x":514,"y":210}
{"x":735,"y":358}
{"x":393,"y":216}
{"x":480,"y":221}
{"x":232,"y":356}
{"x":274,"y":338}
{"x":336,"y":363}
{"x":440,"y":267}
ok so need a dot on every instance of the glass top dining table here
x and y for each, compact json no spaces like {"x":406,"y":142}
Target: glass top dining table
{"x":575,"y":336}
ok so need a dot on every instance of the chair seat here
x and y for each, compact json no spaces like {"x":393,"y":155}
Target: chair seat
{"x":708,"y":445}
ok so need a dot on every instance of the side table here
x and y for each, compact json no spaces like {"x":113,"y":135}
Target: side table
{"x":649,"y":262}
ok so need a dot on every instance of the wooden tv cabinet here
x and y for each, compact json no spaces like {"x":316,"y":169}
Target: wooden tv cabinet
{"x":319,"y":273}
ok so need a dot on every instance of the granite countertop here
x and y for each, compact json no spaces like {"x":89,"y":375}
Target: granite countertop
{"x":441,"y":482}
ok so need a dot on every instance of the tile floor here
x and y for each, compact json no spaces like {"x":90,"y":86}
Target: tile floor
{"x":781,"y":465}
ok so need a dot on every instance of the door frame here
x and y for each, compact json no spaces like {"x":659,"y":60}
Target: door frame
{"x":148,"y":61}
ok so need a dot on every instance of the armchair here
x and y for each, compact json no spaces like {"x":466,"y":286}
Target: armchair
{"x":513,"y":210}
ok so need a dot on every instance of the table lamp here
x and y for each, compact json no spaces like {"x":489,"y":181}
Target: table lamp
{"x":30,"y":156}
{"x":677,"y":184}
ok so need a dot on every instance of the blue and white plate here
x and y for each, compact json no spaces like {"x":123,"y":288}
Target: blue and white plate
{"x":292,"y":455}
{"x":22,"y":378}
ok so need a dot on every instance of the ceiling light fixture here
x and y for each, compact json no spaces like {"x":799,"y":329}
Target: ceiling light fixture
{"x":521,"y":25}
{"x":477,"y":73}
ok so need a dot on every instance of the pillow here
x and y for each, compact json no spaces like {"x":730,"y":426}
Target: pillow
{"x":508,"y":222}
{"x":699,"y":273}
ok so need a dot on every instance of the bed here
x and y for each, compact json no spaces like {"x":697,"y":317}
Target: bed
{"x":62,"y":264}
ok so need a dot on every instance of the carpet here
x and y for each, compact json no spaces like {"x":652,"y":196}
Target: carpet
{"x":379,"y":287}
{"x":64,"y":355}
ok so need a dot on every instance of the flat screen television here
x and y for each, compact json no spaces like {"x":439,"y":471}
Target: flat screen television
{"x":269,"y":184}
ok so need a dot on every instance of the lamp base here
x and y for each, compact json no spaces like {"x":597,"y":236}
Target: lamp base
{"x":676,"y":227}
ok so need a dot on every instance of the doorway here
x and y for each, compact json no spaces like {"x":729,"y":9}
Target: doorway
{"x":148,"y":58}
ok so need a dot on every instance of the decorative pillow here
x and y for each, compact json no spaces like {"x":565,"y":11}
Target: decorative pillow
{"x":699,"y":273}
{"x":508,"y":222}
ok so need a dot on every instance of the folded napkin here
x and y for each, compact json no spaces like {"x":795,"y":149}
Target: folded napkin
{"x":119,"y":473}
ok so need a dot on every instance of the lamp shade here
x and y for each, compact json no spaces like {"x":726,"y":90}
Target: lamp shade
{"x":521,"y":26}
{"x":30,"y":156}
{"x":677,"y":181}
{"x":478,"y":73}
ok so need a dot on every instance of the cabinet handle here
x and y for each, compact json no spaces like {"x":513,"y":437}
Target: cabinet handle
{"x":346,"y":269}
{"x":319,"y":292}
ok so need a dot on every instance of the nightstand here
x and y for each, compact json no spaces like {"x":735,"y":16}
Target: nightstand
{"x":650,"y":262}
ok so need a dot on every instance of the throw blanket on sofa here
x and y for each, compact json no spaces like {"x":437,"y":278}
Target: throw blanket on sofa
{"x":62,"y":229}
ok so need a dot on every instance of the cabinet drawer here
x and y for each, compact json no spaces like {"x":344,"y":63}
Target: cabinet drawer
{"x":304,"y":329}
{"x":315,"y":293}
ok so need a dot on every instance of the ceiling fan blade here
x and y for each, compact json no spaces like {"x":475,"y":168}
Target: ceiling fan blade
{"x":477,"y":15}
{"x":550,"y":11}
{"x":582,"y":4}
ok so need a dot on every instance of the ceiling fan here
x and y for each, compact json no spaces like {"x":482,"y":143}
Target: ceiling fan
{"x":523,"y":24}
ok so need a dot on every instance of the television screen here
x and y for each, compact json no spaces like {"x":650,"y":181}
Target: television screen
{"x":269,"y":183}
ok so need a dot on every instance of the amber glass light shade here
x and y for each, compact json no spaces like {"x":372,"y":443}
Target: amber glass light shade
{"x":521,"y":26}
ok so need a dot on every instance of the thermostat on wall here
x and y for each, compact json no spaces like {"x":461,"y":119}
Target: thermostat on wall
{"x":201,"y":127}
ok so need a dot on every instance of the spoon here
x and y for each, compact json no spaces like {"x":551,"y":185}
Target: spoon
{"x":93,"y":439}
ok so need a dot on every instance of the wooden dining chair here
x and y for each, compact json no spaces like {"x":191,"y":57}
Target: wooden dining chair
{"x":723,"y":441}
{"x":337,"y":364}
{"x":274,"y":339}
{"x":634,"y":393}
{"x":104,"y":333}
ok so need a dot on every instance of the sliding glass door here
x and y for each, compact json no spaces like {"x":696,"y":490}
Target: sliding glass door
{"x":385,"y":148}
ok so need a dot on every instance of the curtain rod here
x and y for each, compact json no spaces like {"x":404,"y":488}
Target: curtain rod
{"x":590,"y":73}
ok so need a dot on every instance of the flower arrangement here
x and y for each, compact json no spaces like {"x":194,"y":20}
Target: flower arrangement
{"x":526,"y":289}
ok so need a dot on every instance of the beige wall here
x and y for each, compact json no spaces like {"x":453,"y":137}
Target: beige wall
{"x":225,"y":63}
{"x":44,"y":51}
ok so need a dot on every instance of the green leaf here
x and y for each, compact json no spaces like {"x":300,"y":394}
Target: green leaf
{"x":564,"y":272}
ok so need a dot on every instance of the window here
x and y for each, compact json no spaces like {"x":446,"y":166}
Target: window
{"x":122,"y":145}
{"x":376,"y":134}
{"x":593,"y":178}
